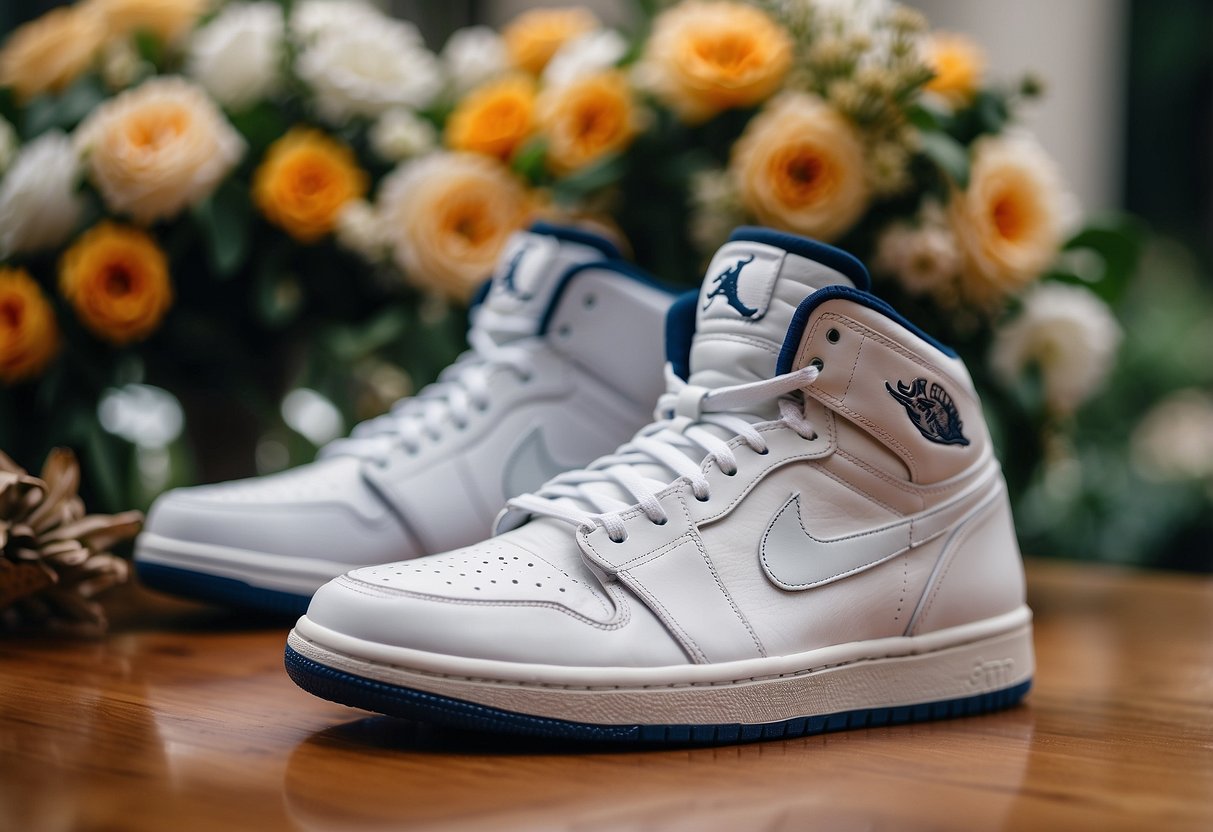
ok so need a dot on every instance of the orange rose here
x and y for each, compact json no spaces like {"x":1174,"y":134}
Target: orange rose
{"x":166,"y":19}
{"x":117,"y":280}
{"x":587,"y":119}
{"x":958,"y":64}
{"x":47,"y":54}
{"x":305,"y":180}
{"x":705,"y":57}
{"x":495,"y":119}
{"x":29,"y":337}
{"x":533,"y":37}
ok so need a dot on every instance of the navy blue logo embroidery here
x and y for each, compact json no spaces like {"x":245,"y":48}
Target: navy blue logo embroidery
{"x":726,"y":287}
{"x":932,"y":411}
{"x":508,"y":284}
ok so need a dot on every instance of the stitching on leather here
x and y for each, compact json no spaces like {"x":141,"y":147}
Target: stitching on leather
{"x":854,"y":368}
{"x":703,"y":553}
{"x":855,"y":490}
{"x":682,"y":635}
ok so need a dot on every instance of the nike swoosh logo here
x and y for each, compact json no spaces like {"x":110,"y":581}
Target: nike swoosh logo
{"x":529,"y":466}
{"x":794,"y":558}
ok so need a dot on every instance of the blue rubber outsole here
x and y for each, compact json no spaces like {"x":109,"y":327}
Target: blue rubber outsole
{"x":226,"y":592}
{"x":358,"y":692}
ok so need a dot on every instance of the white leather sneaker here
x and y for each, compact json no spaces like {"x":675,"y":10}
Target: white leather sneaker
{"x":816,"y":535}
{"x":565,"y":363}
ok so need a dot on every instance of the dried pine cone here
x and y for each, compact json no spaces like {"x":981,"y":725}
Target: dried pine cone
{"x":53,"y":557}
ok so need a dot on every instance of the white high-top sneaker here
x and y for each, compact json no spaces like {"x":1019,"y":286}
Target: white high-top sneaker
{"x":815,"y":536}
{"x":565,"y":363}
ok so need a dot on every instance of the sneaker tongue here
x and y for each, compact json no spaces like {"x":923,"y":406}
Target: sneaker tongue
{"x":750,"y":293}
{"x":528,"y":275}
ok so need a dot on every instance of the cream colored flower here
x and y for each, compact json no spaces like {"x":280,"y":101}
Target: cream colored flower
{"x":166,"y":19}
{"x":39,"y":205}
{"x":533,"y":37}
{"x":715,"y":209}
{"x":1069,"y":334}
{"x":48,"y":53}
{"x":311,"y":18}
{"x":589,"y":54}
{"x":1174,"y":442}
{"x":236,"y":56}
{"x":366,"y":66}
{"x":400,"y":134}
{"x":449,"y":216}
{"x":472,"y":56}
{"x":121,"y":65}
{"x":923,"y":259}
{"x":155,"y":149}
{"x":1010,"y":220}
{"x":705,"y":57}
{"x":360,"y":230}
{"x":799,"y":166}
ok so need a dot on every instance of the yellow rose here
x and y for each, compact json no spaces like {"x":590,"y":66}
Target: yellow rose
{"x":799,"y":166}
{"x":705,"y":57}
{"x":29,"y":337}
{"x":495,"y":119}
{"x":166,"y":19}
{"x":305,"y":180}
{"x":958,"y":64}
{"x":47,"y":54}
{"x":533,"y":37}
{"x":116,"y":278}
{"x":587,"y":119}
{"x":1009,"y":221}
{"x":450,"y":215}
{"x":157,"y":148}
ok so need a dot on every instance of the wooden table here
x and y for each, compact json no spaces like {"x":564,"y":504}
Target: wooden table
{"x":183,"y":719}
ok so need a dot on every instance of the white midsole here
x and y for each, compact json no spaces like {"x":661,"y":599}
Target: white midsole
{"x":950,"y":664}
{"x":282,"y":573}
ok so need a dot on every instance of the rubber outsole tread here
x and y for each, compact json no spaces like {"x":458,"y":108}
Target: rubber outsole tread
{"x":226,"y":592}
{"x":368,"y":694}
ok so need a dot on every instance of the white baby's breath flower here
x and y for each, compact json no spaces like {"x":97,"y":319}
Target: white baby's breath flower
{"x":39,"y":206}
{"x":400,"y":134}
{"x":1174,"y":442}
{"x":924,"y":259}
{"x":472,"y":56}
{"x":9,"y":144}
{"x":1069,"y":334}
{"x":585,"y":55}
{"x":236,"y":56}
{"x":360,"y":230}
{"x":368,"y":66}
{"x":121,"y":66}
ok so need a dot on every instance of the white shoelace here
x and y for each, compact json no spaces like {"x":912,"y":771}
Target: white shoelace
{"x":673,"y":444}
{"x":459,"y":390}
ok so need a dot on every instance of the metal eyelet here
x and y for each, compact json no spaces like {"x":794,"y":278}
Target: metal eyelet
{"x":832,"y":336}
{"x":818,"y":363}
{"x":588,"y":301}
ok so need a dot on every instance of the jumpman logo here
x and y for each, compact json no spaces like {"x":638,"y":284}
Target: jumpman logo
{"x":507,"y":279}
{"x":726,"y":287}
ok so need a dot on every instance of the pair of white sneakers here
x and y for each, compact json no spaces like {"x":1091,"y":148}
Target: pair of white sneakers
{"x":813,"y":534}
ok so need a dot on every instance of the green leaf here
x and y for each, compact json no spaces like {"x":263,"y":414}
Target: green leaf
{"x":149,"y":47}
{"x":948,"y":155}
{"x":65,"y":110}
{"x":225,"y":220}
{"x":991,"y":111}
{"x":1117,"y":240}
{"x":588,"y":180}
{"x":530,"y":160}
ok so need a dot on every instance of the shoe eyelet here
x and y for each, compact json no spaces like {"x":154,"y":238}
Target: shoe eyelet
{"x":732,"y":473}
{"x":564,"y":331}
{"x":818,"y":363}
{"x":661,"y":522}
{"x":620,"y":540}
{"x":833,"y":336}
{"x":703,"y":499}
{"x":588,"y":301}
{"x":763,"y":452}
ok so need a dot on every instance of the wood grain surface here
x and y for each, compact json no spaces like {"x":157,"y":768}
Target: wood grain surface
{"x":183,"y":719}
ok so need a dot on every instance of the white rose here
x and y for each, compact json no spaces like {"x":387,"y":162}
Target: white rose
{"x":360,"y":230}
{"x":9,"y":144}
{"x":585,"y":55}
{"x":1066,"y":332}
{"x":472,"y":56}
{"x":400,"y":134}
{"x":922,"y":257}
{"x":236,"y":56}
{"x":39,"y":206}
{"x":314,"y":17}
{"x":155,"y":149}
{"x":366,"y":67}
{"x":1174,"y":441}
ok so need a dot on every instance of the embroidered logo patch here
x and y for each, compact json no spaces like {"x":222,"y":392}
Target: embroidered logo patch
{"x":931,"y":410}
{"x":726,"y":287}
{"x":509,"y":278}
